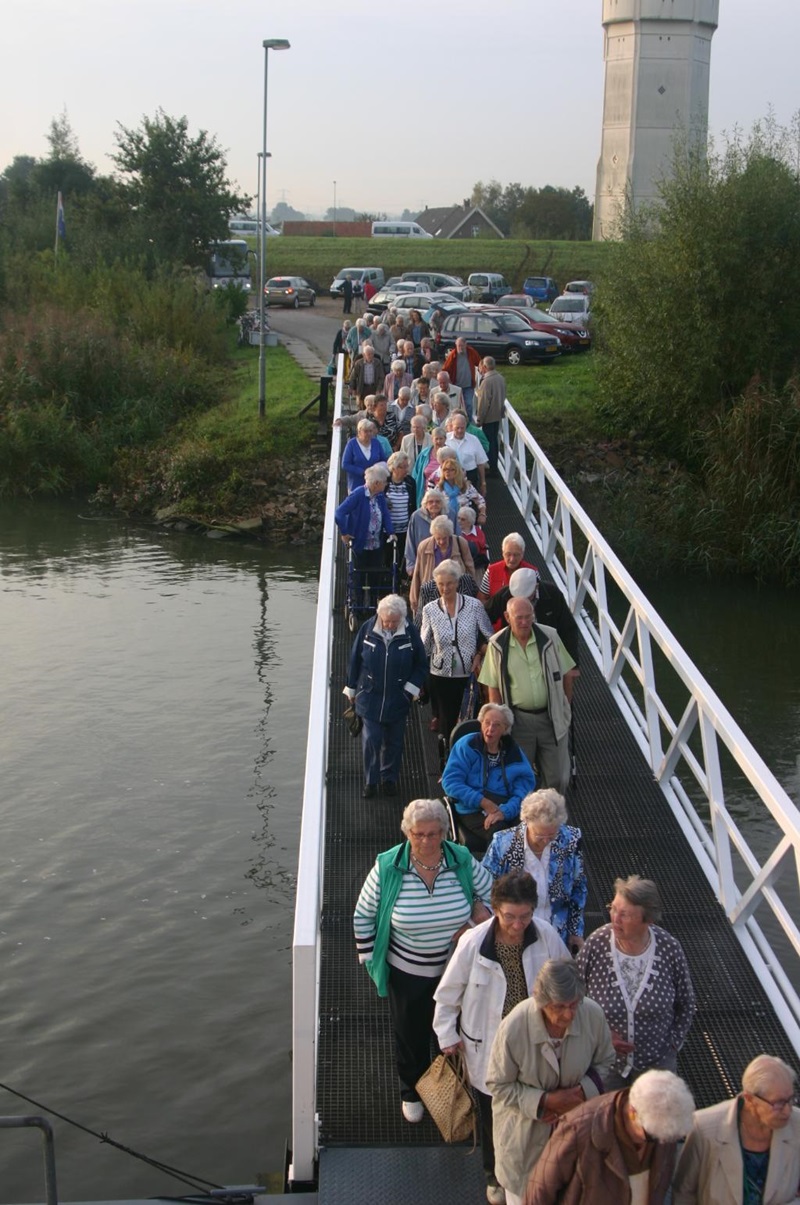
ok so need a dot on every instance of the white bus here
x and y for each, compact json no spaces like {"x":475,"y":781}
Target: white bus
{"x":398,"y":230}
{"x":228,"y":264}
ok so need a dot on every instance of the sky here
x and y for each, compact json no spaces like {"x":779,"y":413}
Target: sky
{"x":401,"y":111}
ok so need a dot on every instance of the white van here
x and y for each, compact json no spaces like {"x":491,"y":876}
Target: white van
{"x":249,"y":226}
{"x":398,"y":230}
{"x":358,"y":276}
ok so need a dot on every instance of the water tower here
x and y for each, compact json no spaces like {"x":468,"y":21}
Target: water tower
{"x":657,"y":55}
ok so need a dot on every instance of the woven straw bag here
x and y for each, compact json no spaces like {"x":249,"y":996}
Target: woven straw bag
{"x":444,"y":1090}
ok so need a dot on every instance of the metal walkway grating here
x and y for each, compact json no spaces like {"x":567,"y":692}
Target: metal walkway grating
{"x":627,"y":828}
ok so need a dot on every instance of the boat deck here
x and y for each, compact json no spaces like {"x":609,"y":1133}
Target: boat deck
{"x":627,"y":827}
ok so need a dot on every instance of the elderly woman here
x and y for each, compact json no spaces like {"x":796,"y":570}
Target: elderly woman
{"x":417,"y":328}
{"x":746,"y":1149}
{"x":440,"y":404}
{"x":441,"y":545}
{"x":419,"y":525}
{"x":439,"y":451}
{"x":396,"y":379}
{"x":454,"y":630}
{"x":401,"y":499}
{"x":475,"y":536}
{"x":417,"y":440}
{"x":617,"y":1147}
{"x":418,"y":898}
{"x":385,"y":674}
{"x":421,"y":393}
{"x":551,"y":851}
{"x":551,"y":1053}
{"x":404,"y":409}
{"x":493,"y":968}
{"x":361,"y":453}
{"x":638,"y":974}
{"x":488,"y":775}
{"x":365,"y":523}
{"x":452,"y":481}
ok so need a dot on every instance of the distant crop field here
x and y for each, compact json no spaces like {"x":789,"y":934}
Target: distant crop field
{"x":319,"y":259}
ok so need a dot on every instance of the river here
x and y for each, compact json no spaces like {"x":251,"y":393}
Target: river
{"x":152,"y":720}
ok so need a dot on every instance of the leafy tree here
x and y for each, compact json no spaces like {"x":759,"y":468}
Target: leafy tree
{"x":697,"y":298}
{"x":63,"y":143}
{"x":284,"y":213}
{"x":177,"y":187}
{"x":365,"y":216}
{"x":342,"y":213}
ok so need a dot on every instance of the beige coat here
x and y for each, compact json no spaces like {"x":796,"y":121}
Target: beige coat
{"x":710,"y":1168}
{"x":523,"y":1066}
{"x":426,"y":563}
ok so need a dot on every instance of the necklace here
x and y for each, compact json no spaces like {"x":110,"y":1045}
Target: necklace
{"x":422,"y":865}
{"x":633,"y":953}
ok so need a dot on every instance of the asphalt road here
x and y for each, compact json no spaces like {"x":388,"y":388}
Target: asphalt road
{"x":316,"y":325}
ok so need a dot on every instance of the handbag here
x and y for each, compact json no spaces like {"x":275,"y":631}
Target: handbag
{"x":353,"y":720}
{"x":444,"y":1090}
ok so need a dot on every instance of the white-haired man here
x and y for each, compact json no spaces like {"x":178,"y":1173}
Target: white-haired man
{"x":469,"y":450}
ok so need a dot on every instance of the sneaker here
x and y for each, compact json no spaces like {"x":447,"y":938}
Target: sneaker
{"x":414,"y":1111}
{"x":495,"y":1193}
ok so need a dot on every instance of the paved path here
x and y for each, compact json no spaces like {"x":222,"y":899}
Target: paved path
{"x":308,"y":333}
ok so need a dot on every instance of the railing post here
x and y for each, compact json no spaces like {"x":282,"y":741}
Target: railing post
{"x":48,"y":1149}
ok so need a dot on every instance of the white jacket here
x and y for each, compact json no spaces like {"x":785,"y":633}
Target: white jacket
{"x":473,"y":988}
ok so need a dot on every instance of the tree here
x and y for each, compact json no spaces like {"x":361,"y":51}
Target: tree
{"x":63,"y":143}
{"x":697,"y":299}
{"x":177,"y":187}
{"x":342,"y":213}
{"x":284,"y":213}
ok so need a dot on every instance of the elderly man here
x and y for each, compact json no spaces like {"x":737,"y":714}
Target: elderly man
{"x":367,"y":375}
{"x":440,"y":407}
{"x":376,"y":409}
{"x":615,"y":1148}
{"x":490,"y":402}
{"x":746,"y":1149}
{"x":469,"y":450}
{"x":382,"y":342}
{"x":454,"y":395}
{"x":528,"y":669}
{"x":549,"y":606}
{"x":415,"y":443}
{"x":404,"y":409}
{"x":461,"y":363}
{"x":396,"y":379}
{"x":499,"y":572}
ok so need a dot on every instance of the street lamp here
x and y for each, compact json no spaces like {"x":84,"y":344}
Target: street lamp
{"x":268,"y":44}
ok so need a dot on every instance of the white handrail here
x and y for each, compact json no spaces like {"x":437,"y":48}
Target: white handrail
{"x":692,"y":758}
{"x":310,"y":866}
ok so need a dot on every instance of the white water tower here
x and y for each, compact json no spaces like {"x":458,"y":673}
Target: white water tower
{"x":657,"y":55}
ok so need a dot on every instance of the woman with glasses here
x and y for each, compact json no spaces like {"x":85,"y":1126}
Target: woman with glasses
{"x":745,"y":1151}
{"x":551,"y":1053}
{"x":419,"y":898}
{"x":493,"y":969}
{"x":638,"y":973}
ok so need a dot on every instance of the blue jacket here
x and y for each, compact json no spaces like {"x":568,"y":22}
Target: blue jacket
{"x":354,"y":462}
{"x":352,"y":517}
{"x":566,"y":874}
{"x":467,"y":776}
{"x":379,"y":672}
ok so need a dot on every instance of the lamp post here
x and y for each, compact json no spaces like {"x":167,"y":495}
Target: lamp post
{"x":334,"y":209}
{"x":268,"y":44}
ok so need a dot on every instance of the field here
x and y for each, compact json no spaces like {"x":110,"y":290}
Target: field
{"x":319,"y":259}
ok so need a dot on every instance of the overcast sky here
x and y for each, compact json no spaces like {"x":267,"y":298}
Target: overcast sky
{"x":402,"y":104}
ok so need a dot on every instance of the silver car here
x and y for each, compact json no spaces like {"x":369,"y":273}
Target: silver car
{"x":289,"y":290}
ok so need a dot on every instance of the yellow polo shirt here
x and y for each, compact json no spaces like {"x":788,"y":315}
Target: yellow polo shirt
{"x":525,"y":675}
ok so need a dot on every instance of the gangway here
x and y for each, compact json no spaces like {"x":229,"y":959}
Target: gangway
{"x":656,"y":795}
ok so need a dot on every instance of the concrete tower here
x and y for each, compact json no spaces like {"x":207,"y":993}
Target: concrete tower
{"x":657,"y":55}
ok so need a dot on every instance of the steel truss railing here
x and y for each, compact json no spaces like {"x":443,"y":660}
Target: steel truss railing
{"x":702,"y":761}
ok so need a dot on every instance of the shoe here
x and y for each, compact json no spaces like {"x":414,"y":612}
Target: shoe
{"x":389,"y":788}
{"x":414,"y":1111}
{"x":370,"y":791}
{"x":495,"y":1193}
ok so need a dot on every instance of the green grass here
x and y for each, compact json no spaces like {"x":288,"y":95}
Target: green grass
{"x":319,"y":259}
{"x":555,"y":400}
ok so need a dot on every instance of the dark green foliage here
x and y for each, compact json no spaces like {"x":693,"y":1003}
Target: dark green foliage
{"x":536,"y":213}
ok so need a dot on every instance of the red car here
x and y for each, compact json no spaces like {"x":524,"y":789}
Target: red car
{"x":573,"y":337}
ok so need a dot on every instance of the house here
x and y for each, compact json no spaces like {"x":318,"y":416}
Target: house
{"x":458,"y":221}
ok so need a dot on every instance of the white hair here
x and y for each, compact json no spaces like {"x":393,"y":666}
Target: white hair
{"x":663,"y":1104}
{"x":393,"y":604}
{"x":377,"y":472}
{"x":514,"y":538}
{"x":506,"y":714}
{"x":764,"y":1070}
{"x":441,"y":526}
{"x":422,"y":810}
{"x":447,"y":568}
{"x":544,"y":807}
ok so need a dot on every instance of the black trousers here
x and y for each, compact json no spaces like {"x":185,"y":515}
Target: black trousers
{"x":487,"y":1132}
{"x":473,"y":822}
{"x":446,"y":695}
{"x":411,"y":1005}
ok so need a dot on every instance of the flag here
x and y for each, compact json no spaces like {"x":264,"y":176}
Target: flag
{"x":61,"y":226}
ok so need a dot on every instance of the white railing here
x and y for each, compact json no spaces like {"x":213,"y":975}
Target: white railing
{"x":310,"y":867}
{"x":702,"y":761}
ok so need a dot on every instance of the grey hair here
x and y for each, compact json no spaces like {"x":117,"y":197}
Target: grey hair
{"x":466,"y":512}
{"x":446,"y":453}
{"x":441,"y":526}
{"x":515,"y":538}
{"x":404,"y":392}
{"x":416,"y":419}
{"x":393,"y":604}
{"x":347,"y":324}
{"x":435,"y":365}
{"x":437,"y":495}
{"x":443,"y":373}
{"x":367,"y":346}
{"x":382,"y":327}
{"x":401,"y":364}
{"x":545,"y":807}
{"x":363,"y":423}
{"x":663,"y":1104}
{"x":396,"y":459}
{"x":764,"y":1070}
{"x":490,"y":363}
{"x":455,"y":417}
{"x":642,"y":893}
{"x":439,"y":395}
{"x":421,"y":810}
{"x":558,"y":983}
{"x":377,"y":472}
{"x":505,"y":712}
{"x":447,"y":568}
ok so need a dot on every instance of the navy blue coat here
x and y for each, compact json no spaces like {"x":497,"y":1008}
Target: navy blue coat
{"x":352,"y":516}
{"x":378,"y":672}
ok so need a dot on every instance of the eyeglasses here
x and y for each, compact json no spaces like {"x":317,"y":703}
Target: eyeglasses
{"x":787,"y":1103}
{"x":437,"y":836}
{"x":508,"y":919}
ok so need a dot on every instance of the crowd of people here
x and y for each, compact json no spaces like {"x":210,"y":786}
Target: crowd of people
{"x":571,"y":1041}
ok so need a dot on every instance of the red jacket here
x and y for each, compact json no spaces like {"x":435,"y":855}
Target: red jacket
{"x":451,"y":358}
{"x":499,"y":576}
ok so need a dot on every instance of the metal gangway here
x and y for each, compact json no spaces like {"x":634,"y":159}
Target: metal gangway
{"x":669,"y":786}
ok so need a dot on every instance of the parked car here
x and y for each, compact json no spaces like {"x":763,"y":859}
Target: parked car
{"x":499,"y":333}
{"x":572,"y":307}
{"x":389,"y":295}
{"x":573,"y":337}
{"x":376,"y":276}
{"x":406,"y":302}
{"x":541,"y":288}
{"x":488,"y":286}
{"x":447,"y":307}
{"x":579,"y":286}
{"x":439,"y":282}
{"x":289,"y":290}
{"x":517,"y":301}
